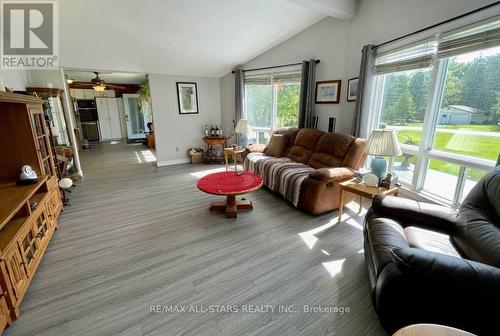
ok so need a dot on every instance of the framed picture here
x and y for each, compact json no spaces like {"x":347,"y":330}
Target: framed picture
{"x":328,"y":92}
{"x":187,"y":97}
{"x":352,"y":89}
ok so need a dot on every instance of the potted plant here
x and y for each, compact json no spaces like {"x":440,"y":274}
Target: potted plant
{"x":144,"y":99}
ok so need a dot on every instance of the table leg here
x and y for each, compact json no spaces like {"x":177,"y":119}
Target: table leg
{"x":225,"y":159}
{"x":341,"y":204}
{"x":230,"y":206}
{"x":235,"y":162}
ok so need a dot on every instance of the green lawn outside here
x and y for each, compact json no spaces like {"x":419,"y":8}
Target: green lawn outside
{"x":485,"y":147}
{"x":482,"y":128}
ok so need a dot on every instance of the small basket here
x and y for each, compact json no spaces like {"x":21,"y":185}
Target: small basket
{"x":196,"y":156}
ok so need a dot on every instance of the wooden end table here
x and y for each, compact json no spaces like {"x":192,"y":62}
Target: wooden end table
{"x":211,"y":152}
{"x":234,"y":153}
{"x":431,"y":330}
{"x":362,"y":190}
{"x":230,"y":184}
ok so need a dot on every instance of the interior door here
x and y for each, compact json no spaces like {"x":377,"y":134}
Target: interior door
{"x":104,"y":124}
{"x":114,"y":118}
{"x":134,"y":116}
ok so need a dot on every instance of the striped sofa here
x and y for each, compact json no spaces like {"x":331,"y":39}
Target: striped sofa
{"x":314,"y":163}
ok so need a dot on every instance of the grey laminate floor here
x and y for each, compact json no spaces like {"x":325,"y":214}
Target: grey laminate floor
{"x":136,"y":236}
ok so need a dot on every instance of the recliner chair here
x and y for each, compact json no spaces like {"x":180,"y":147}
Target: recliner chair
{"x":432,"y":264}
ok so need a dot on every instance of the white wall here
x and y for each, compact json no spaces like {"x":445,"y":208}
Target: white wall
{"x":176,"y":133}
{"x":15,"y":79}
{"x":338,"y":45}
{"x":327,"y":41}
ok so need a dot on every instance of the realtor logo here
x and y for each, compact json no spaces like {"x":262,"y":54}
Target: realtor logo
{"x":29,"y":35}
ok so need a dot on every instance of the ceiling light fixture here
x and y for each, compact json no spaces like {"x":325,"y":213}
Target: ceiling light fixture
{"x":69,"y":80}
{"x":100,"y":87}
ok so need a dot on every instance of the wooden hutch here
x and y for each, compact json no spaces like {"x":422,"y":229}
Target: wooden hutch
{"x":28,"y":214}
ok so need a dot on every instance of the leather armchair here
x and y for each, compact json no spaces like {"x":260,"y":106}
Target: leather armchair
{"x":431,"y":264}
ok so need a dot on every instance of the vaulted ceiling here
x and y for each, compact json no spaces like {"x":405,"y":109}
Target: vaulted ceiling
{"x":182,"y":37}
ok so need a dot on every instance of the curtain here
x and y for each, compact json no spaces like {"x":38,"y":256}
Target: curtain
{"x":239,"y":87}
{"x":307,"y":88}
{"x":361,"y":113}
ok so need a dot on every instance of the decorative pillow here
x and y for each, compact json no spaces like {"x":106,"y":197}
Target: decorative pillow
{"x":277,"y":145}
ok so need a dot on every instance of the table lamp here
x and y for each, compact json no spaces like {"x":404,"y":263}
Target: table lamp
{"x":382,"y":142}
{"x":243,"y":127}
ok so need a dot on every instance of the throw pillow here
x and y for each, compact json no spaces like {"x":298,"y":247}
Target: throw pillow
{"x":277,"y":145}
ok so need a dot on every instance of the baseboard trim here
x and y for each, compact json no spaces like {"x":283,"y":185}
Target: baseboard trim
{"x":172,"y":162}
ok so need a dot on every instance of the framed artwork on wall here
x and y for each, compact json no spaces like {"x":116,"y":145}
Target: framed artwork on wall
{"x":352,"y":89}
{"x":187,"y":97}
{"x":328,"y":92}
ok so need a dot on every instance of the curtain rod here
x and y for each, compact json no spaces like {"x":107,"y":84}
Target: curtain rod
{"x":275,"y":66}
{"x":439,"y":24}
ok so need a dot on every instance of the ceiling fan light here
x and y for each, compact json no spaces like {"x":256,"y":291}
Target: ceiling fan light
{"x":99,"y":88}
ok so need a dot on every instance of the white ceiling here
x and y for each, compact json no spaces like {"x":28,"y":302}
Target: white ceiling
{"x":108,"y":77}
{"x":180,"y":37}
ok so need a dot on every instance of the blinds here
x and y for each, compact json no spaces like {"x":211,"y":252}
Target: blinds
{"x":276,"y":77}
{"x":423,"y":53}
{"x":416,"y":56}
{"x":473,"y":38}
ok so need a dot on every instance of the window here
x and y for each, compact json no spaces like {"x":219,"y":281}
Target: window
{"x":443,"y":99}
{"x":271,"y":101}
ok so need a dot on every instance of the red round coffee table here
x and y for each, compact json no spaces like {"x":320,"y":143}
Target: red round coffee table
{"x":230,"y":184}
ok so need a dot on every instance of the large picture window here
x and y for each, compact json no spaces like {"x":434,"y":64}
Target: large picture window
{"x":443,"y":98}
{"x":271,"y":101}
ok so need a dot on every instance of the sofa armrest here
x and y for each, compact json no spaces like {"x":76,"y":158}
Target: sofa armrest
{"x":255,"y":148}
{"x":332,"y":174}
{"x":447,"y":270}
{"x":410,"y":212}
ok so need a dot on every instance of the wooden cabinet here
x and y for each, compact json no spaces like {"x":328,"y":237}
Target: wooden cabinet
{"x":28,"y":214}
{"x":109,"y":118}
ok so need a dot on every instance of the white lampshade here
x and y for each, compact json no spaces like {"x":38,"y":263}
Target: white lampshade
{"x":243,"y":127}
{"x":383,"y":142}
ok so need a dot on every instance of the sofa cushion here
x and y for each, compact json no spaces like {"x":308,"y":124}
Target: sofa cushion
{"x":430,"y":241}
{"x":291,"y":134}
{"x":277,"y":145}
{"x":304,"y":145}
{"x":281,"y":175}
{"x":331,"y":150}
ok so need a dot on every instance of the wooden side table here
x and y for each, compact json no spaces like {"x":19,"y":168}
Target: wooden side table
{"x":430,"y":330}
{"x":211,"y":142}
{"x":234,"y":153}
{"x":362,"y":191}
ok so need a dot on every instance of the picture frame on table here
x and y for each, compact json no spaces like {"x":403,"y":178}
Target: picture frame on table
{"x":328,"y":92}
{"x":187,"y":97}
{"x":352,"y":89}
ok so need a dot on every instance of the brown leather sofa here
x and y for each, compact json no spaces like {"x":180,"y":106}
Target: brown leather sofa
{"x":431,"y":264}
{"x":312,"y":166}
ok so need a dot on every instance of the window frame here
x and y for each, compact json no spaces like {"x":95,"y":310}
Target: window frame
{"x":274,"y":111}
{"x":424,"y":152}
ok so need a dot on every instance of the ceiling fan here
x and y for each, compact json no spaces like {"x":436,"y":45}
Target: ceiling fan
{"x":99,"y":84}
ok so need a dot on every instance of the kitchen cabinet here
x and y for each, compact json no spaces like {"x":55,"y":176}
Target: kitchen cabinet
{"x":109,"y":118}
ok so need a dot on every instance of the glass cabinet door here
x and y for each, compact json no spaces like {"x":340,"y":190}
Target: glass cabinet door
{"x":42,"y":141}
{"x":30,"y":250}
